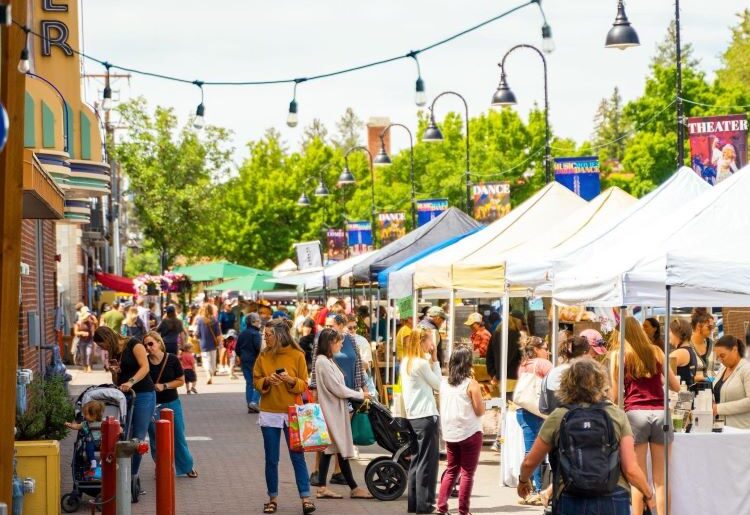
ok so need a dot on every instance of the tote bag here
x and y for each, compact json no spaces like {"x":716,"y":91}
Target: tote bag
{"x":362,"y":433}
{"x":527,"y":392}
{"x":308,"y":431}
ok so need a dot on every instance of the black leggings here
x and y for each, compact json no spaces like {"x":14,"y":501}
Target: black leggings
{"x":346,"y":469}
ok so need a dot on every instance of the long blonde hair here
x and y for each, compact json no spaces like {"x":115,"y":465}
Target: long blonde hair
{"x":641,"y":356}
{"x":206,"y":312}
{"x":132,"y":316}
{"x":413,"y":346}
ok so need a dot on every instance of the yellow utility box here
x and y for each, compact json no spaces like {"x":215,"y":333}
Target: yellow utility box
{"x":40,"y":460}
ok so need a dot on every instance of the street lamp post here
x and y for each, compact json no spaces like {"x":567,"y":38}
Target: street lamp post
{"x":347,"y":177}
{"x":505,"y":97}
{"x":320,"y":191}
{"x":382,"y":158}
{"x":432,"y":133}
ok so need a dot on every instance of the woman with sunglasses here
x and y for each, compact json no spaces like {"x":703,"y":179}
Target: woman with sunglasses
{"x":167,"y":374}
{"x":280,"y":375}
{"x":128,"y":364}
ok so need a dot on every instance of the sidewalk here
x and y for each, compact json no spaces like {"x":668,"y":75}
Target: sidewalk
{"x":228,"y":451}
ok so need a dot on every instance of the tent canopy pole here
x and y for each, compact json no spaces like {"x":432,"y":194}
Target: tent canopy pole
{"x":667,"y":416}
{"x":452,"y":326}
{"x":554,"y":331}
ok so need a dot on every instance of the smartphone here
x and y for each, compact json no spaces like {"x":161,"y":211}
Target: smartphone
{"x":280,"y":370}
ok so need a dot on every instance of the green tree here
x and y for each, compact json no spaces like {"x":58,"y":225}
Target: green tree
{"x":349,"y":128}
{"x":171,"y":173}
{"x":733,"y":78}
{"x":610,"y":129}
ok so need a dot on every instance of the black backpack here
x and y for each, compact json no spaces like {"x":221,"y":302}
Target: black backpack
{"x":588,"y":453}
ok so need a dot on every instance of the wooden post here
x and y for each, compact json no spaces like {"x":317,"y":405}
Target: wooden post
{"x":12,"y":90}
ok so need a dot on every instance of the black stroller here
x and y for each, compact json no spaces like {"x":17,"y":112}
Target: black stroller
{"x":386,"y":476}
{"x":116,"y":405}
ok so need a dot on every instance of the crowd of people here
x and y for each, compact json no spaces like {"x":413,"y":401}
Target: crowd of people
{"x":323,"y":354}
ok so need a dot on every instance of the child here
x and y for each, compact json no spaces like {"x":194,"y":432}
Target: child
{"x":230,"y":342}
{"x":187,"y":360}
{"x":91,"y":428}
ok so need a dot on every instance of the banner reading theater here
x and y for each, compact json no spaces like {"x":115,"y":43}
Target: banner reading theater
{"x":391,"y":226}
{"x":430,"y":208}
{"x":336,"y":244}
{"x":359,"y":235}
{"x":718,"y":145}
{"x":579,"y":174}
{"x":491,"y":201}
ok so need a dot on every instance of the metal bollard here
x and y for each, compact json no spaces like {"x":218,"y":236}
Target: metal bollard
{"x":110,"y":434}
{"x":124,"y":452}
{"x":168,"y":414}
{"x":164,"y":472}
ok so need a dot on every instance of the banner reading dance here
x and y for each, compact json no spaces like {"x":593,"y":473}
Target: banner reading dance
{"x":718,"y":145}
{"x":491,"y":201}
{"x":336,"y":244}
{"x":391,"y":226}
{"x":430,"y":208}
{"x":359,"y":236}
{"x":579,"y":174}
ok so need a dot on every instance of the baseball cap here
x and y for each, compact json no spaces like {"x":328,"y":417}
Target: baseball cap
{"x":595,"y":340}
{"x":474,"y":318}
{"x":279,"y":314}
{"x":170,"y":309}
{"x":437,"y":311}
{"x":231,"y":334}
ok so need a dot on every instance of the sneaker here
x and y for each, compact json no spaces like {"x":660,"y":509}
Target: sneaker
{"x":338,"y":479}
{"x":495,"y":446}
{"x":233,"y":377}
{"x":314,"y":479}
{"x":252,"y":408}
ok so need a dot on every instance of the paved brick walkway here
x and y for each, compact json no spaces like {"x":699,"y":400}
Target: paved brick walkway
{"x":228,"y":451}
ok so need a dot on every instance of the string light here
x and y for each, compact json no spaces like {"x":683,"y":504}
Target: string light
{"x":420,"y":97}
{"x":292,"y":119}
{"x":200,"y":112}
{"x":107,"y":95}
{"x":24,"y":65}
{"x":548,"y":44}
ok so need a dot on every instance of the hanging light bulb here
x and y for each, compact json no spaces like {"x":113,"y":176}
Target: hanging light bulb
{"x":107,"y":98}
{"x":24,"y":65}
{"x":548,"y":44}
{"x":199,"y":121}
{"x":420,"y":97}
{"x":292,"y":119}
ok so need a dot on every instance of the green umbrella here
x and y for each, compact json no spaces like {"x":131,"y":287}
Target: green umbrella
{"x":217,"y":270}
{"x":253,"y":282}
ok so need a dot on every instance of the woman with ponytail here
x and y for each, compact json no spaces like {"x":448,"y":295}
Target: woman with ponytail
{"x":732,"y":388}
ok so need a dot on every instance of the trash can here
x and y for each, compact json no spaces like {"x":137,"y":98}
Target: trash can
{"x":40,"y":461}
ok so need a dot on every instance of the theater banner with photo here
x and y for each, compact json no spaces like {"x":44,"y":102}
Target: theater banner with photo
{"x":391,"y":226}
{"x":718,"y":145}
{"x":430,"y":208}
{"x":336,"y":244}
{"x":580,"y":175}
{"x":359,"y":236}
{"x":491,"y":201}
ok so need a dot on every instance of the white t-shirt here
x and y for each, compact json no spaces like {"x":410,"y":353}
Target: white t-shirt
{"x":554,"y":377}
{"x":457,"y":417}
{"x":364,"y":348}
{"x":417,"y":388}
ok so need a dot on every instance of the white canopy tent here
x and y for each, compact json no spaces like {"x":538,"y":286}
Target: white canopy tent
{"x":329,"y":276}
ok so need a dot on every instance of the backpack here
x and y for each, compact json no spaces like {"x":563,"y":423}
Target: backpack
{"x":588,"y":452}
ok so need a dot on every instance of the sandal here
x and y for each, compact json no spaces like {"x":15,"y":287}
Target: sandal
{"x":192,"y":474}
{"x":327,"y":494}
{"x":270,"y":507}
{"x":308,"y":507}
{"x":362,"y":494}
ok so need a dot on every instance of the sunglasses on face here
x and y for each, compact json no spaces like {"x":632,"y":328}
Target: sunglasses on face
{"x":149,"y":344}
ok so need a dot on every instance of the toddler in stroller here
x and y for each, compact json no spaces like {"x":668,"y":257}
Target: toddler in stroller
{"x":90,"y":433}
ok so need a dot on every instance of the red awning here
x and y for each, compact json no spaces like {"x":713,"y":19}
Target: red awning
{"x":116,"y":282}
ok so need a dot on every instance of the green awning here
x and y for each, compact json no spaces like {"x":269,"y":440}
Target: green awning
{"x":217,"y":270}
{"x":252,"y":282}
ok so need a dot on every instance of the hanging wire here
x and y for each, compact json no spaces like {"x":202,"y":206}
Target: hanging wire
{"x":712,"y":105}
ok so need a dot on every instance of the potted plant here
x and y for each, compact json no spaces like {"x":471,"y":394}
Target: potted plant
{"x":147,"y":285}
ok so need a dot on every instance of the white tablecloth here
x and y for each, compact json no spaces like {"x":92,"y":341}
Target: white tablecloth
{"x":709,"y":473}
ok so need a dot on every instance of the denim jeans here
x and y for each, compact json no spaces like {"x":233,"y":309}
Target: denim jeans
{"x":530,"y":424}
{"x":271,"y":447}
{"x":143,"y":413}
{"x":252,"y":396}
{"x":183,"y":460}
{"x":617,"y":503}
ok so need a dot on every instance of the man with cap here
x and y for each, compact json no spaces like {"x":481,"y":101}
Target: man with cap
{"x":247,"y":349}
{"x":434,"y":320}
{"x":597,"y":345}
{"x":480,"y":336}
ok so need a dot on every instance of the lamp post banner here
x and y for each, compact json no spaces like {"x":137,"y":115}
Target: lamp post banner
{"x":391,"y":226}
{"x":430,"y":208}
{"x":718,"y":145}
{"x":359,"y":235}
{"x":580,"y":175}
{"x":491,"y":201}
{"x":336,"y":244}
{"x":308,"y":255}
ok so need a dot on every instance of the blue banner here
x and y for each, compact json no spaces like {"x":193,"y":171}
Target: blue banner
{"x":579,"y":174}
{"x":430,"y":208}
{"x":359,"y":237}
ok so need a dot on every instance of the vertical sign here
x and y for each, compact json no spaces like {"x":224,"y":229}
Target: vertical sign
{"x":336,"y":244}
{"x":430,"y":208}
{"x":579,"y":174}
{"x":491,"y":201}
{"x":718,"y":145}
{"x":308,"y":255}
{"x":391,"y":226}
{"x":359,"y":235}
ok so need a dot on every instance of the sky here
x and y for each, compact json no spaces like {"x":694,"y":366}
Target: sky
{"x":262,"y":40}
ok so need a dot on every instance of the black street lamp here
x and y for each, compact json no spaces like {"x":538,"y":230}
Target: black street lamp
{"x":320,"y":191}
{"x":621,"y":35}
{"x":382,"y":158}
{"x":347,"y":177}
{"x":432,"y":133}
{"x":504,"y":96}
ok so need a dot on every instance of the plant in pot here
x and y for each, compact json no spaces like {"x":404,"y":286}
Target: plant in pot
{"x":48,"y":408}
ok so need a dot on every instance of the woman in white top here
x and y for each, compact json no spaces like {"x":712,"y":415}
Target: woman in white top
{"x":461,"y":410}
{"x":420,"y":378}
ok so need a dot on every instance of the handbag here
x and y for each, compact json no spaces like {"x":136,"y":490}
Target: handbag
{"x":527,"y":392}
{"x":308,"y":431}
{"x":362,"y":433}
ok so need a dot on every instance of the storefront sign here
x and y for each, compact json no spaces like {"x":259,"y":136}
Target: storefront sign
{"x":359,"y":235}
{"x":579,"y":174}
{"x":491,"y":201}
{"x":718,"y":145}
{"x":391,"y":226}
{"x":308,"y":255}
{"x":430,"y":208}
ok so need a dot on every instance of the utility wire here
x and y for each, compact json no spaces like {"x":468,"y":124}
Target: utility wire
{"x":712,"y":105}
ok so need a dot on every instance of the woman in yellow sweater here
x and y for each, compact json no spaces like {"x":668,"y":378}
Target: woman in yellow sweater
{"x":280,"y":375}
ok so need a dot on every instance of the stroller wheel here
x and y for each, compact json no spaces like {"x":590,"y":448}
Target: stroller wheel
{"x":70,"y":503}
{"x":385,"y":479}
{"x":135,"y":489}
